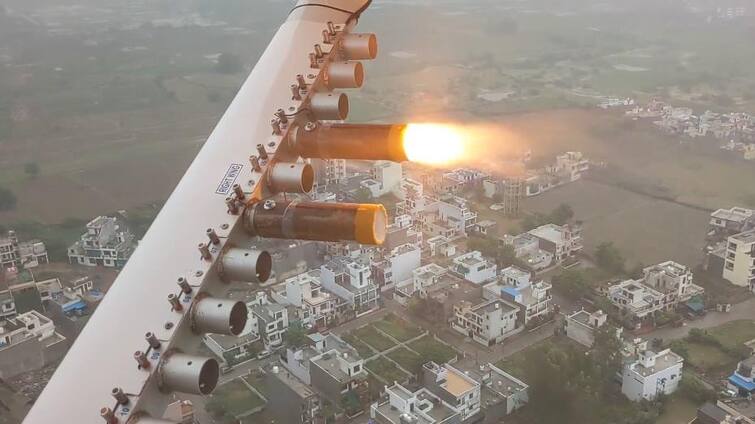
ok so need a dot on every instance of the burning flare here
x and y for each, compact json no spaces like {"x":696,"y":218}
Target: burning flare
{"x":433,"y":144}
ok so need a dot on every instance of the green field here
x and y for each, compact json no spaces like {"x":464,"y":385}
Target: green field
{"x":397,"y":328}
{"x":387,"y":370}
{"x":734,"y":333}
{"x":408,"y":360}
{"x":708,"y":358}
{"x":364,"y":350}
{"x":234,"y":398}
{"x":430,"y":349}
{"x":370,"y":336}
{"x":678,"y":410}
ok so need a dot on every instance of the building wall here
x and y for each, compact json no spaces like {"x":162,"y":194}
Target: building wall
{"x":739,"y":267}
{"x":636,"y":387}
{"x":581,"y":334}
{"x":324,"y":383}
{"x":21,"y":358}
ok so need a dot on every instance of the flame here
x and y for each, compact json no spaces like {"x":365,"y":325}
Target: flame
{"x":433,"y":144}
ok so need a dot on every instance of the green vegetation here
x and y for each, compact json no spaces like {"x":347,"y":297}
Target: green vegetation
{"x":408,"y":360}
{"x":716,"y":350}
{"x":363,"y":349}
{"x":562,"y":214}
{"x":429,"y":310}
{"x":560,"y":372}
{"x":386,"y":369}
{"x":503,"y":256}
{"x":609,"y":258}
{"x":397,"y":328}
{"x":31,"y":169}
{"x":296,"y":336}
{"x":430,"y":349}
{"x":370,"y":336}
{"x":231,"y":400}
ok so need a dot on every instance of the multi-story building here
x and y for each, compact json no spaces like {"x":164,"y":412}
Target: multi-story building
{"x":449,"y":217}
{"x":651,"y":375}
{"x":527,"y":248}
{"x":396,"y":266}
{"x":515,"y":285}
{"x":291,"y":400}
{"x":570,"y":166}
{"x":733,"y":411}
{"x":401,"y":406}
{"x":317,"y":307}
{"x":731,"y":221}
{"x":386,"y":178}
{"x":739,"y":265}
{"x":501,"y":393}
{"x":742,"y":380}
{"x":562,"y":241}
{"x":636,"y":298}
{"x":330,"y":365}
{"x":472,"y":266}
{"x":24,"y":254}
{"x":350,"y":280}
{"x":104,"y":244}
{"x":487,"y":323}
{"x":270,"y":323}
{"x":581,"y":326}
{"x":673,"y":280}
{"x":28,"y":342}
{"x":454,"y":387}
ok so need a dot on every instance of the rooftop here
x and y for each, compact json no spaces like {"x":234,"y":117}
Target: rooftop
{"x":493,"y":305}
{"x":746,"y":237}
{"x":550,"y":232}
{"x":733,"y":214}
{"x":663,"y":360}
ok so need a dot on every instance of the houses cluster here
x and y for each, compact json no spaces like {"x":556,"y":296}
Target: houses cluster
{"x":104,"y":243}
{"x":451,"y":395}
{"x":662,"y":288}
{"x":21,"y":254}
{"x":730,"y":246}
{"x":736,"y":130}
{"x":547,"y":245}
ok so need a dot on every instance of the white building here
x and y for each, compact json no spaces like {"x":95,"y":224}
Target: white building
{"x":734,"y":220}
{"x":636,"y":298}
{"x":515,"y":285}
{"x":386,"y":178}
{"x":401,"y":406}
{"x":104,"y":244}
{"x":562,"y":241}
{"x":453,"y":386}
{"x":487,"y":323}
{"x":527,"y":248}
{"x":572,"y":165}
{"x":317,"y":307}
{"x":351,"y":280}
{"x":581,"y":326}
{"x":450,"y":217}
{"x":269,"y":322}
{"x":472,"y":266}
{"x":397,"y":266}
{"x":673,"y":280}
{"x":651,"y":375}
{"x":25,"y":254}
{"x":739,"y":265}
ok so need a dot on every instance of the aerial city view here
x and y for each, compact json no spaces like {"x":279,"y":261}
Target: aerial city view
{"x":377,"y":212}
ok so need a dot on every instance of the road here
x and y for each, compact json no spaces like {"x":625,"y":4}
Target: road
{"x":739,"y":311}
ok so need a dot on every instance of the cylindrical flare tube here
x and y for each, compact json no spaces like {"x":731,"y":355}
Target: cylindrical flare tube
{"x":352,"y":141}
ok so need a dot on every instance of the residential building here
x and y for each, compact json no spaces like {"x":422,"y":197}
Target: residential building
{"x":739,"y":267}
{"x":514,"y":284}
{"x":80,"y":286}
{"x":232,"y":349}
{"x":396,"y":266}
{"x":351,"y":280}
{"x":401,"y":406}
{"x":20,"y":292}
{"x":28,"y":342}
{"x":501,"y":393}
{"x":742,"y":380}
{"x":507,"y":192}
{"x":731,"y":221}
{"x":21,"y":254}
{"x":330,"y":365}
{"x":581,"y":326}
{"x":454,"y":387}
{"x":103,"y":244}
{"x":527,"y":248}
{"x":440,"y":246}
{"x":571,"y":165}
{"x":636,"y":298}
{"x":386,"y":178}
{"x":673,"y":280}
{"x":485,"y":228}
{"x":487,"y":323}
{"x":562,"y":241}
{"x":271,"y":321}
{"x":449,"y":217}
{"x":290,"y":400}
{"x":739,"y":411}
{"x":316,"y":306}
{"x":651,"y":375}
{"x":472,"y":266}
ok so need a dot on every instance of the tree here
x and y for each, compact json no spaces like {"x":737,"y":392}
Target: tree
{"x":572,"y":283}
{"x":609,"y":258}
{"x":362,"y":195}
{"x":229,"y":63}
{"x":31,"y":169}
{"x":295,"y":336}
{"x":7,"y":199}
{"x":562,"y":214}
